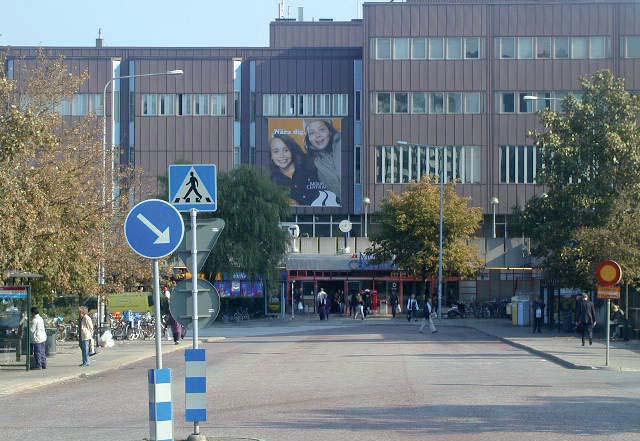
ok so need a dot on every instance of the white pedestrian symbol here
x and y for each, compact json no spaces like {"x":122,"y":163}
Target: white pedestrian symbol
{"x":192,"y":188}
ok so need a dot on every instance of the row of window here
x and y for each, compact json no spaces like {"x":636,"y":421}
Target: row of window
{"x":515,"y":102}
{"x":595,"y":47}
{"x":81,"y":104}
{"x":458,"y":48}
{"x":420,"y":48}
{"x":184,"y":104}
{"x":429,"y":102}
{"x":326,"y":225}
{"x":519,"y":164}
{"x":407,"y":163}
{"x":306,"y":104}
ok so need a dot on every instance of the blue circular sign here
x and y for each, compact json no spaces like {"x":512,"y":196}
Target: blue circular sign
{"x":154,"y":228}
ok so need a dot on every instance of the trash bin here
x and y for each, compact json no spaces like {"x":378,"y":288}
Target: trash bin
{"x":50,"y":347}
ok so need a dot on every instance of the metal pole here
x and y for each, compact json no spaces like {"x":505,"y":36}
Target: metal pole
{"x":194,"y":290}
{"x":606,"y":361}
{"x":293,"y":284}
{"x":365,"y":221}
{"x":494,"y":219}
{"x":156,"y":301}
{"x":441,"y":236}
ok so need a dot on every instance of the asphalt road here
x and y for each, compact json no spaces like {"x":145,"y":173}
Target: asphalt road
{"x":371,"y":381}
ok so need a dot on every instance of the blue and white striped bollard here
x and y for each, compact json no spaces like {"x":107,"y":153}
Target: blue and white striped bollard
{"x":195,"y":385}
{"x":160,"y":405}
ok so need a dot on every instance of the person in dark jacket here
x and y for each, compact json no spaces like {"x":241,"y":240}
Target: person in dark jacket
{"x":537,"y":309}
{"x":586,"y":318}
{"x":393,"y":300}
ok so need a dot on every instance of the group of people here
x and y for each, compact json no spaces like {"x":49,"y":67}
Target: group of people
{"x":428,"y":313}
{"x":312,"y":174}
{"x":39,"y":338}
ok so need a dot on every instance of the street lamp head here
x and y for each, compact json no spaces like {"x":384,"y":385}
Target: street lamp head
{"x":366,"y":200}
{"x":495,"y":201}
{"x":175,"y":72}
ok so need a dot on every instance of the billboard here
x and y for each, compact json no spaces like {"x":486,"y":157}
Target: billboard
{"x":305,"y":157}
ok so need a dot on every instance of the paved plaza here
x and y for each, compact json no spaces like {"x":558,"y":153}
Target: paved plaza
{"x":343,"y":380}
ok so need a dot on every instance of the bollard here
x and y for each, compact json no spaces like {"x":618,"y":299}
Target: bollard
{"x":160,"y":405}
{"x":195,"y":385}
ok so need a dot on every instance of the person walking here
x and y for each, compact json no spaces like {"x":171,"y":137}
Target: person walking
{"x":359,"y":307}
{"x":86,"y":333}
{"x":428,"y":318}
{"x":412,"y":307}
{"x":353,"y":305}
{"x":586,"y":318}
{"x":176,"y":329}
{"x":393,"y":300}
{"x":538,"y":315}
{"x":38,"y":339}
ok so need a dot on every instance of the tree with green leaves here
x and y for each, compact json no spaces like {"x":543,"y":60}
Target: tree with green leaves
{"x":252,"y":242}
{"x":591,"y":167}
{"x":410,"y":231}
{"x":51,"y":176}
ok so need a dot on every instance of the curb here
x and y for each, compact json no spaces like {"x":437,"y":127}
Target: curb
{"x":75,"y":376}
{"x":547,"y":356}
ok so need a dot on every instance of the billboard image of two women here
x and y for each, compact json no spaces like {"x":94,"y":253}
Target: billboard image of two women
{"x":305,"y":157}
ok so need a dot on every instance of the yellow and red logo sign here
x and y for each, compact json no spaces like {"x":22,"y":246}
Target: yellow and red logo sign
{"x":608,"y":273}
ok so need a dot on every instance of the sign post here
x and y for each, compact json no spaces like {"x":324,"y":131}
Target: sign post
{"x":154,"y":229}
{"x":193,"y":188}
{"x":609,"y":274}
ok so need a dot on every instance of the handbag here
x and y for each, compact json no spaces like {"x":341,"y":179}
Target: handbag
{"x":398,"y":308}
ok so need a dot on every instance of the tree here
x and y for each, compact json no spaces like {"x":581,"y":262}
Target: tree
{"x":252,"y":242}
{"x":590,"y":165}
{"x":51,"y":175}
{"x":409,"y":231}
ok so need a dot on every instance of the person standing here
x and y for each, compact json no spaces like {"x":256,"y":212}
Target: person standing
{"x":538,"y":315}
{"x":353,"y":304}
{"x":586,"y":318}
{"x":321,"y":300}
{"x":412,"y":307}
{"x":428,"y":317}
{"x":394,"y":304}
{"x":86,"y":333}
{"x":38,"y":339}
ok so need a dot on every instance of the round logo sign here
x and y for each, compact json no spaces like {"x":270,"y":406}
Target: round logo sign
{"x":345,"y":226}
{"x":608,"y":273}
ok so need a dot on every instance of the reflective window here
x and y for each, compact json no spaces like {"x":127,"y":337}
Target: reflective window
{"x":418,"y":48}
{"x":454,"y":48}
{"x":401,"y":102}
{"x":401,"y":48}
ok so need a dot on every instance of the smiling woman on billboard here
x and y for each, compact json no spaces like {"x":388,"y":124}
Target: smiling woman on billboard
{"x":323,"y":144}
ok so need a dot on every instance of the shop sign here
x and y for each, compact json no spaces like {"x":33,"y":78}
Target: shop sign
{"x":608,"y":292}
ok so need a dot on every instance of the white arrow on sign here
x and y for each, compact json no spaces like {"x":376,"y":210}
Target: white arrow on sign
{"x":163,"y":236}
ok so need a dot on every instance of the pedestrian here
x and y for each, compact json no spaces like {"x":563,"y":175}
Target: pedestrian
{"x":367,"y":302}
{"x":412,"y":307}
{"x":538,"y":314}
{"x":586,"y":318}
{"x":428,"y":317}
{"x":618,"y":320}
{"x":176,"y":329}
{"x":394,"y":304}
{"x":38,"y":339}
{"x":86,"y":333}
{"x":353,"y":304}
{"x":321,"y":300}
{"x":359,"y":307}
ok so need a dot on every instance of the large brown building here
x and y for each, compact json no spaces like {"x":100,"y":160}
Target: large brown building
{"x":411,"y":87}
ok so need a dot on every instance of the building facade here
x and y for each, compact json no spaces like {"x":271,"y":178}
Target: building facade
{"x":410,"y":88}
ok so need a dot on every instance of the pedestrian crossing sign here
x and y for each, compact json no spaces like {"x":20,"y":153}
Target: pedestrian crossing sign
{"x":193,"y":186}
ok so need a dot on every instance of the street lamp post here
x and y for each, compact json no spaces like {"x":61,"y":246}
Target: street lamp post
{"x":494,"y":201}
{"x":441,"y":228}
{"x":366,"y":201}
{"x":104,"y":155}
